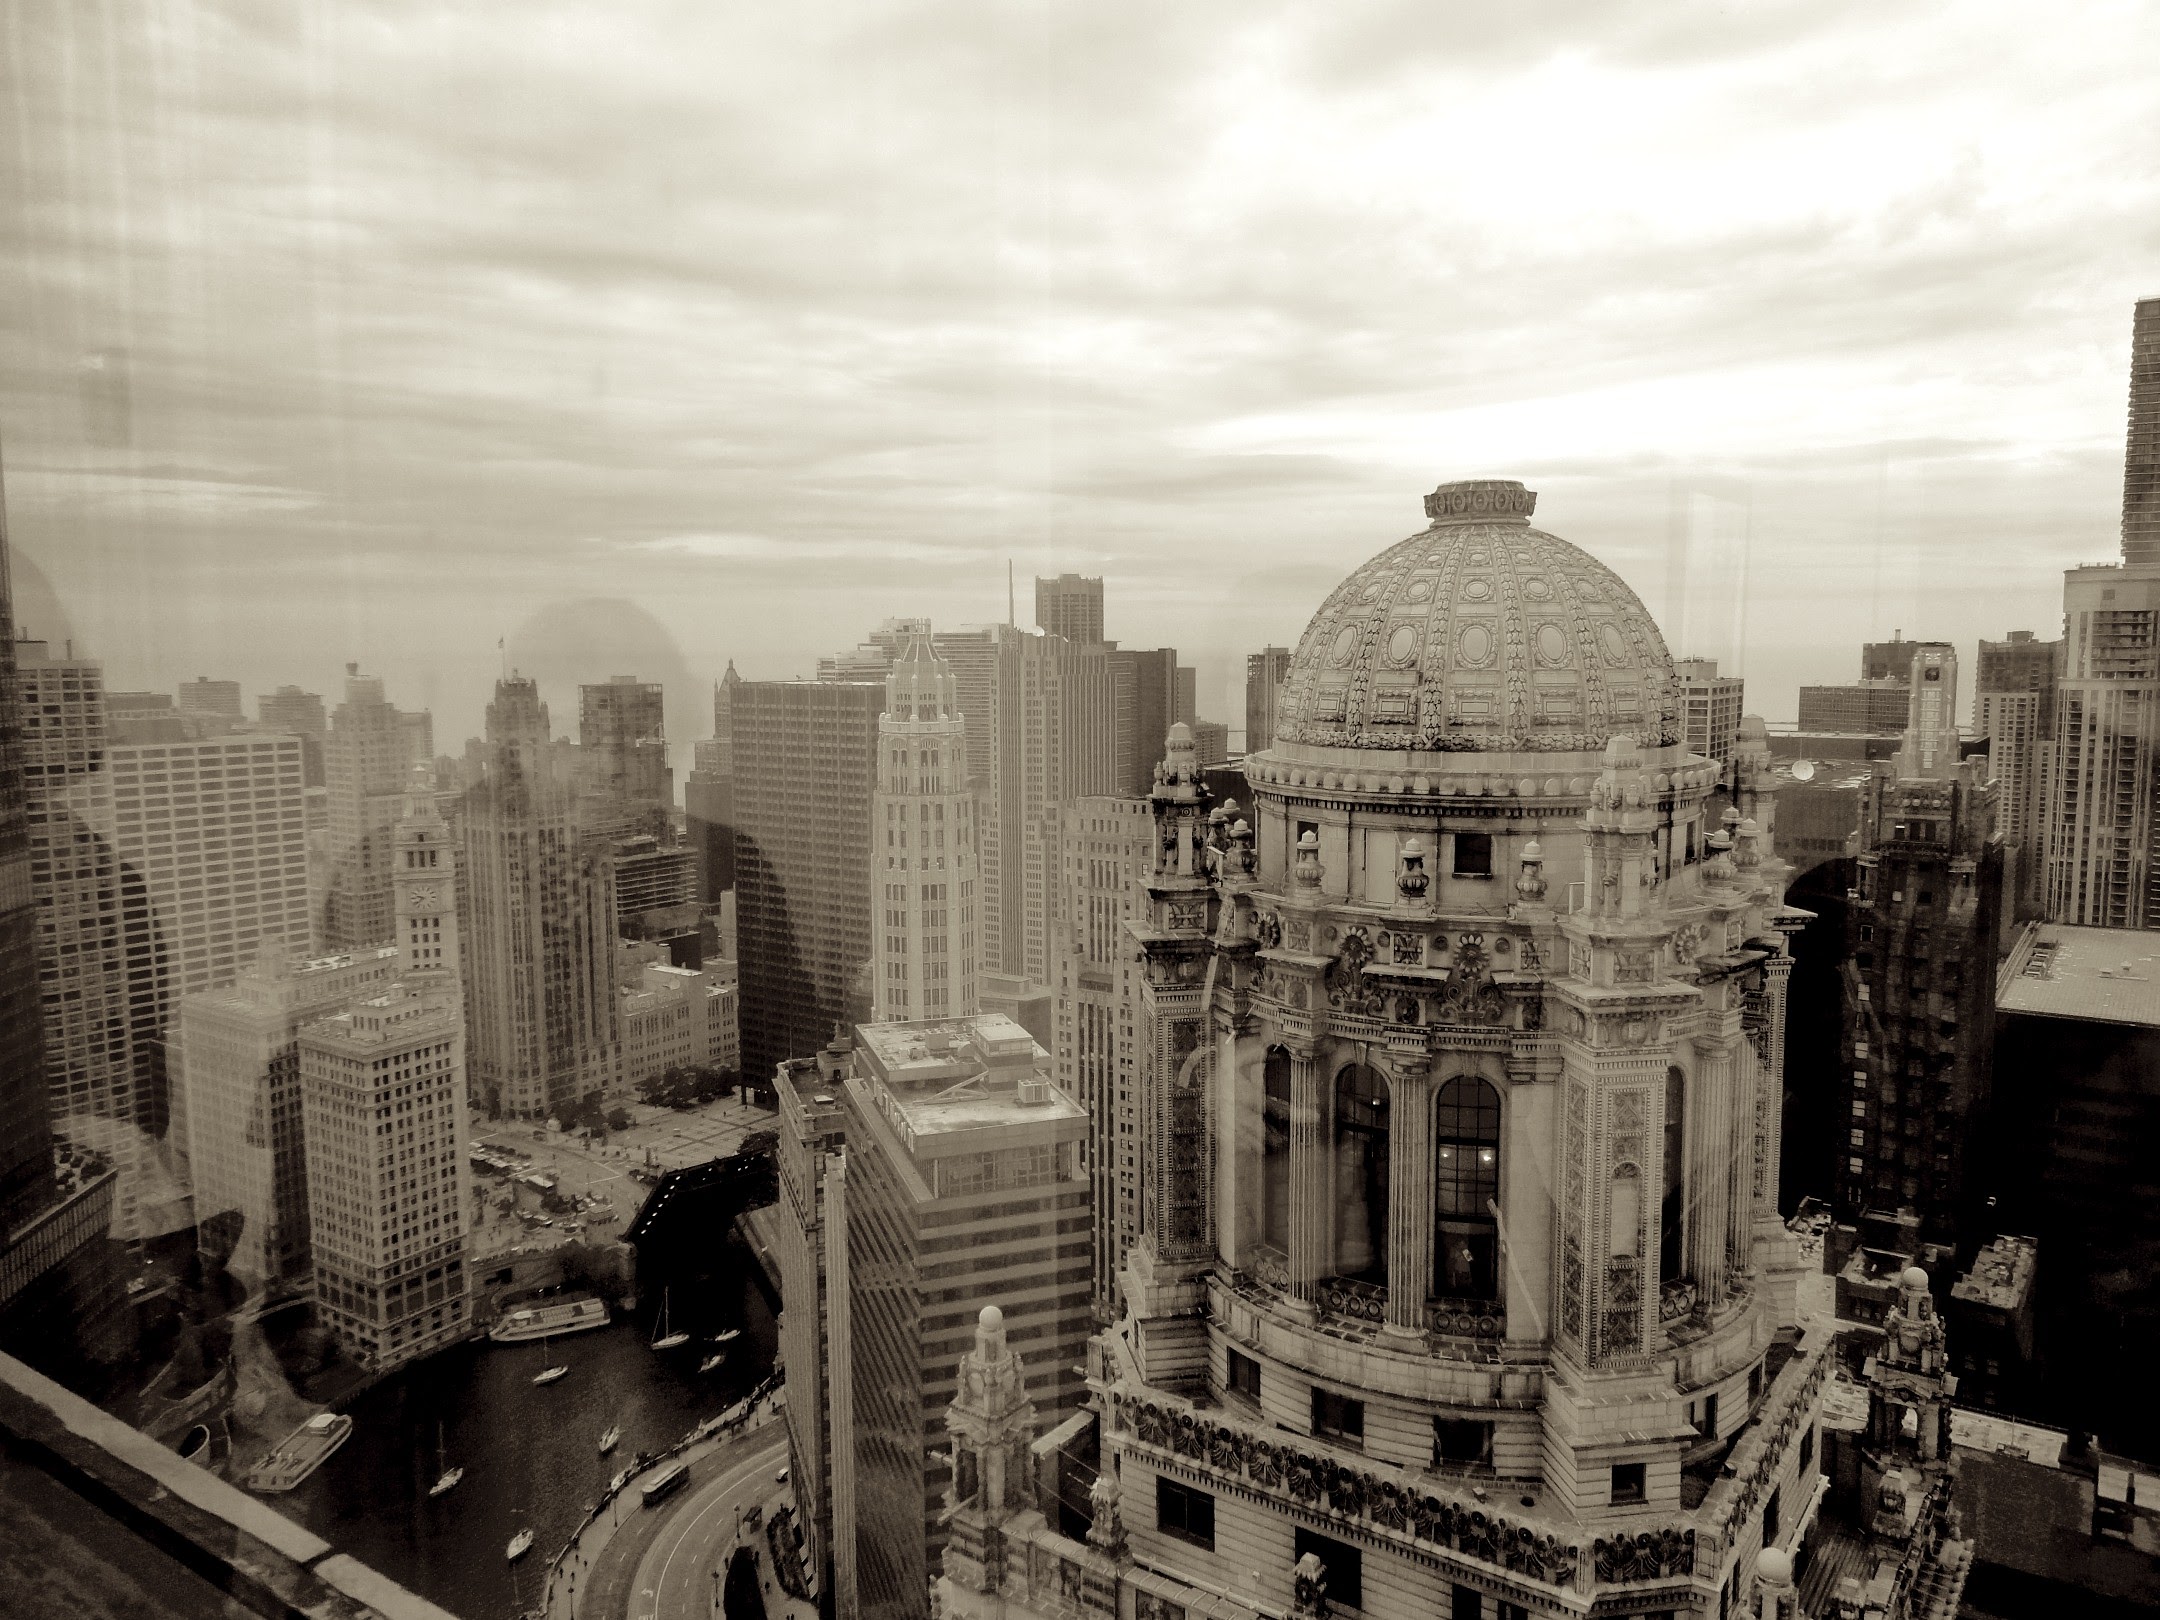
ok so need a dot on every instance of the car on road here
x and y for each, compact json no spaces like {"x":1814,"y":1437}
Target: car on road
{"x":781,"y":1477}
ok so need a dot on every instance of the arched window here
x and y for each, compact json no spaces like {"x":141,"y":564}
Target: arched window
{"x":1275,"y":1152}
{"x":1672,"y":1212}
{"x":1466,"y":1189}
{"x":1361,"y":1174}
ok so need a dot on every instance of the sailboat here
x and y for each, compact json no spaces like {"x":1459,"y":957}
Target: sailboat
{"x":449,"y":1477}
{"x":710,"y":1362}
{"x":548,"y":1375}
{"x":662,"y":1338}
{"x":607,"y":1440}
{"x":520,"y":1545}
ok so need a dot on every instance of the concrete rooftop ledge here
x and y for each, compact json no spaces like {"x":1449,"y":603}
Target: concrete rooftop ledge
{"x":130,"y":1506}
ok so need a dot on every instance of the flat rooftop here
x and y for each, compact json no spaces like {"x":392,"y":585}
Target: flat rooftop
{"x":2108,"y":975}
{"x":940,"y":1082}
{"x":2001,"y":1274}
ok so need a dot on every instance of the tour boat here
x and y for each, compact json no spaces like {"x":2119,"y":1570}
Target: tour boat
{"x":449,"y":1477}
{"x":607,"y":1441}
{"x":577,"y":1315}
{"x":662,"y":1338}
{"x":520,"y":1545}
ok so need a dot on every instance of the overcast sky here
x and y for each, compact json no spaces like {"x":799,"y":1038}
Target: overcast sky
{"x":379,"y":331}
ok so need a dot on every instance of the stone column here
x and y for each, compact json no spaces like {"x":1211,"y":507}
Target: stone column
{"x":1777,"y":974}
{"x":1309,"y":1227}
{"x":1710,"y":1171}
{"x":1740,"y":1154}
{"x":1410,"y":1197}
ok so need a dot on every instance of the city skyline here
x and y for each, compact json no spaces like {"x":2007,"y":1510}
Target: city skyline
{"x":530,"y":381}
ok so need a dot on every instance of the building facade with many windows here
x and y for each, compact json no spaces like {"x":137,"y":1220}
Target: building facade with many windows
{"x":925,"y":958}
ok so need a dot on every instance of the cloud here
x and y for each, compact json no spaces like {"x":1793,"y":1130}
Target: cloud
{"x":363,"y":330}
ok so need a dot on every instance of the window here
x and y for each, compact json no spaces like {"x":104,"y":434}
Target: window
{"x":1706,"y":1425}
{"x":1770,"y":1519}
{"x":1466,"y":1186}
{"x":1344,"y":1566}
{"x":1672,"y":1213}
{"x":1807,"y":1449}
{"x":1338,"y":1417}
{"x":1461,"y":1443}
{"x":1754,"y":1384}
{"x":1627,"y":1482}
{"x":1504,"y":1610}
{"x":1469,"y":1604}
{"x":1275,"y":1152}
{"x":1185,"y":1513}
{"x":1361,"y":1174}
{"x":1244,"y":1375}
{"x":1473,"y":854}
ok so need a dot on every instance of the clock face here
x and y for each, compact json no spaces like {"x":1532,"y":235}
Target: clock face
{"x":426,"y":894}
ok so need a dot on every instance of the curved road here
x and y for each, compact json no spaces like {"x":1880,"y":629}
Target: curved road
{"x":659,"y":1564}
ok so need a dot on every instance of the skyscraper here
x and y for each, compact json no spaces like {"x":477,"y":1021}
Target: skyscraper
{"x":387,"y":1206}
{"x":236,"y":1065}
{"x":622,"y":752}
{"x":99,"y":1097}
{"x":2104,"y":800}
{"x":922,"y":823}
{"x":1146,"y":716}
{"x":1923,"y":923}
{"x":1710,"y":706}
{"x":708,"y":796}
{"x":1105,"y":846}
{"x":214,"y":833}
{"x":204,"y":696}
{"x":366,"y":760}
{"x":805,"y":770}
{"x":1265,"y":671}
{"x":1072,"y":607}
{"x":2014,"y":710}
{"x":290,"y":709}
{"x":1407,"y":1138}
{"x":2141,"y":461}
{"x":539,"y":930}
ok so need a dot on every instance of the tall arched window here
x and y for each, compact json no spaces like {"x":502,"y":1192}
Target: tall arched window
{"x":1672,"y":1212}
{"x":1466,"y":1189}
{"x":1275,"y":1151}
{"x":1361,"y":1174}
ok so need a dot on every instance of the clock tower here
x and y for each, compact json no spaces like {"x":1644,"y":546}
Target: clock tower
{"x":424,"y":882}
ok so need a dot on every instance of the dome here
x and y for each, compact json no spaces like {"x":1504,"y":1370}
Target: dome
{"x":1774,"y":1565}
{"x":1480,"y":634}
{"x":1914,"y":1277}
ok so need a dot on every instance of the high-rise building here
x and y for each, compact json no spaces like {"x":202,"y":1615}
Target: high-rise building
{"x":2014,"y":710}
{"x":708,"y":796}
{"x":651,"y":877}
{"x":2141,"y":461}
{"x":2104,"y":796}
{"x":1185,"y":707}
{"x":1265,"y":671}
{"x":100,"y":1098}
{"x":382,"y":1088}
{"x":290,"y":709}
{"x":1919,"y":1015}
{"x":236,"y":1063}
{"x":1461,"y":1271}
{"x":963,"y":1184}
{"x":1888,"y":660}
{"x":674,"y":1017}
{"x":1105,"y":846}
{"x":215,"y":834}
{"x":872,"y":660}
{"x":1211,"y":743}
{"x":202,"y":695}
{"x":539,"y":929}
{"x":1072,"y":607}
{"x":367,"y":760}
{"x":622,"y":750}
{"x":924,"y":956}
{"x":383,"y":1093}
{"x":1710,"y":706}
{"x":805,"y":770}
{"x":1870,"y":708}
{"x":1146,"y":709}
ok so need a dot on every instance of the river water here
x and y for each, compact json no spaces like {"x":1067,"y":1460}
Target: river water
{"x":530,"y":1456}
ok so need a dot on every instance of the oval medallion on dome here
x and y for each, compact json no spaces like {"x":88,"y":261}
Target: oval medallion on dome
{"x":1402,"y":645}
{"x":1537,"y":589}
{"x":1588,"y":589}
{"x":1474,"y":647}
{"x":1420,"y":590}
{"x":1374,"y":591}
{"x":1477,"y":590}
{"x":1345,"y":648}
{"x":1552,"y":645}
{"x":1615,"y":644}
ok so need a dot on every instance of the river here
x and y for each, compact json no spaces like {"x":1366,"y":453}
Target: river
{"x":530,"y":1455}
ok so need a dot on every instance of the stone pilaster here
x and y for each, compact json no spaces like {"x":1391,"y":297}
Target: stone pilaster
{"x":1410,"y":1198}
{"x":1711,"y":1187}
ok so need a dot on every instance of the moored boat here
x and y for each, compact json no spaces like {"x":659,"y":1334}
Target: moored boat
{"x":608,"y":1440}
{"x":300,"y":1453}
{"x":520,"y":1545}
{"x":529,"y":1322}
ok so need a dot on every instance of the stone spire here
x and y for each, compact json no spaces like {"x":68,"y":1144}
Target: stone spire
{"x":992,"y":1421}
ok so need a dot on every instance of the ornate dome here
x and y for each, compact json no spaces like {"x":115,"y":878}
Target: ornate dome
{"x":1481,"y":634}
